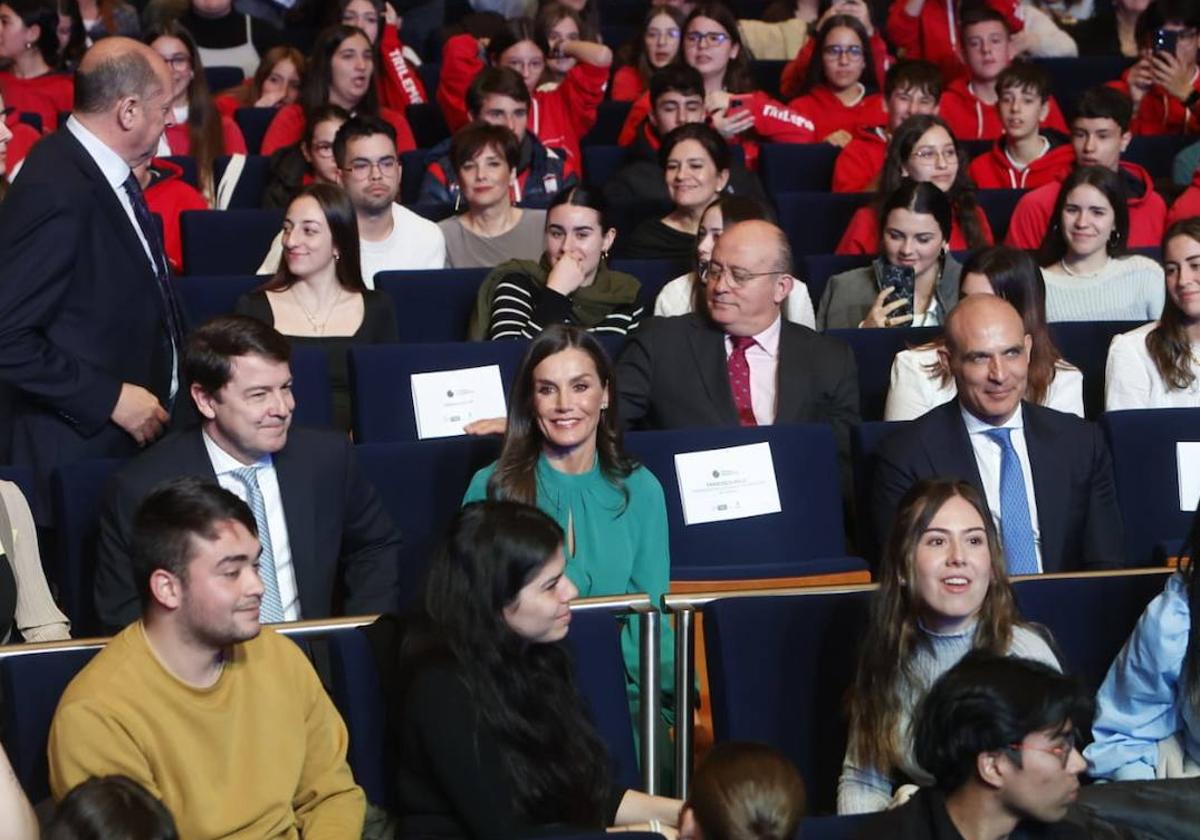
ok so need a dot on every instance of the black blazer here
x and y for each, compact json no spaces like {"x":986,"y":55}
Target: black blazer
{"x":345,"y":548}
{"x":1078,"y":517}
{"x":672,"y":374}
{"x":80,"y":312}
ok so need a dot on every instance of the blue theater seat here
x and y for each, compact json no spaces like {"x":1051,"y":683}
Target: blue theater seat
{"x":779,"y":668}
{"x":998,"y":206}
{"x":1070,"y":77}
{"x":254,"y":123}
{"x":32,"y":685}
{"x":412,"y":173}
{"x":204,"y":298}
{"x":815,"y":221}
{"x":1156,"y":153}
{"x":188,"y":164}
{"x":600,"y":163}
{"x":380,"y":380}
{"x":832,"y":828}
{"x":864,"y":441}
{"x":76,"y":493}
{"x":422,"y":485}
{"x":222,"y":78}
{"x":1142,"y":443}
{"x":433,"y":305}
{"x":230,"y":241}
{"x":427,"y":123}
{"x":653,"y":274}
{"x":806,"y":473}
{"x":356,"y":691}
{"x":796,"y":167}
{"x":816,"y":269}
{"x":768,"y":73}
{"x":874,"y":351}
{"x":248,"y":194}
{"x":1085,"y":345}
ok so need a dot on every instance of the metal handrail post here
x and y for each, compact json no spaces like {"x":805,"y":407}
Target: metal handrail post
{"x":685,"y":648}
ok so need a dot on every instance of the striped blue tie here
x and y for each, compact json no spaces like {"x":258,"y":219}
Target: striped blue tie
{"x":270,"y":611}
{"x":1016,"y":527}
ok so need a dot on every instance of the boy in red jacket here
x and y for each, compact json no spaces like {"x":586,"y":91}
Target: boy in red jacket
{"x":1024,"y":157}
{"x":969,"y":103}
{"x":929,"y":29}
{"x":1099,"y":134}
{"x":911,"y":87}
{"x":1164,"y":84}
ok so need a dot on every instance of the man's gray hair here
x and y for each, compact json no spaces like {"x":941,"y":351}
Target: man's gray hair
{"x":783,"y":252}
{"x":128,"y":73}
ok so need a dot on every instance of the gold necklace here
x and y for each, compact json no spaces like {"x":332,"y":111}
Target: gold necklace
{"x":318,"y":327}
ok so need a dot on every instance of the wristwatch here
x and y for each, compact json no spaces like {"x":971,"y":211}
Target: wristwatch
{"x":1192,"y":99}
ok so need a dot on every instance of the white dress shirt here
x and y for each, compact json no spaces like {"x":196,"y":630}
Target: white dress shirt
{"x":988,"y":454}
{"x":675,"y":298}
{"x":763,"y":360}
{"x":224,"y":465}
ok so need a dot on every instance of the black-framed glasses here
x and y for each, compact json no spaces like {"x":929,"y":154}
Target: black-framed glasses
{"x":361,"y":168}
{"x":708,"y":39}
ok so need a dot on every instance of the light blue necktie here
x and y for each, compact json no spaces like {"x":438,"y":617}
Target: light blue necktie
{"x":270,"y":611}
{"x":1016,"y":527}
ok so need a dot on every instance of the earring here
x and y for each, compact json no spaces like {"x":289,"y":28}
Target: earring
{"x":604,"y":407}
{"x":337,"y":257}
{"x":604,"y":255}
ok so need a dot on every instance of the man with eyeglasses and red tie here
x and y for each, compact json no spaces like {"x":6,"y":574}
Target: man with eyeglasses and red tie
{"x":740,"y":362}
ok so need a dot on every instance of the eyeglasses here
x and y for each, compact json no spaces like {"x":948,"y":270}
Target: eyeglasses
{"x":671,"y":34}
{"x":735,"y":277}
{"x":323,"y":149}
{"x":178,"y":62}
{"x":949,"y":155}
{"x":361,"y":168}
{"x":836,"y":51}
{"x":1062,"y":751}
{"x":708,"y":39}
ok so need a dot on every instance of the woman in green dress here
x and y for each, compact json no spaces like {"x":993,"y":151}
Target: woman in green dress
{"x":562,"y":452}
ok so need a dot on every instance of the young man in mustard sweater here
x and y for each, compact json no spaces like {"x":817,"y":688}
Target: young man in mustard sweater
{"x":223,"y":721}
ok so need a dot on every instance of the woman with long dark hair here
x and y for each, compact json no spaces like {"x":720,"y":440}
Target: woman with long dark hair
{"x":32,"y":84}
{"x":840,"y":94}
{"x":658,"y":45}
{"x":317,"y":297}
{"x":1090,"y":274}
{"x":924,"y":149}
{"x":922,"y":381}
{"x":397,"y":80}
{"x":1148,"y":708}
{"x":276,"y":83}
{"x":915,"y":224}
{"x":1158,"y":365}
{"x":562,"y":452}
{"x":310,"y":161}
{"x":341,"y":72}
{"x":489,"y":733}
{"x":943,"y":591}
{"x":200,"y":131}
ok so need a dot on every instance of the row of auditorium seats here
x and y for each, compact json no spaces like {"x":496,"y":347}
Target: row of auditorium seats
{"x":422,"y":484}
{"x":779,"y":667}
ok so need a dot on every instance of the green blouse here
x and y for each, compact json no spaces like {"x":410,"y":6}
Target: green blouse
{"x":620,"y":547}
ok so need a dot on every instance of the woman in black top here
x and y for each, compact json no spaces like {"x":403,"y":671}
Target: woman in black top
{"x":488,"y":730}
{"x":317,"y":297}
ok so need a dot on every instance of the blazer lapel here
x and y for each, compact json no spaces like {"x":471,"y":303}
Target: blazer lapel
{"x":708,"y":349}
{"x":791,"y":391}
{"x":948,"y":446}
{"x":1050,"y":486}
{"x":299,"y":509}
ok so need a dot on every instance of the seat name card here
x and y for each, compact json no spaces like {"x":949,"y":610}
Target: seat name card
{"x":716,"y":485}
{"x":1187,"y":459}
{"x":445,"y":401}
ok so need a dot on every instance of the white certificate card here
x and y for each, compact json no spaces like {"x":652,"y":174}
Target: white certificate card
{"x":1187,"y":457}
{"x":720,"y":484}
{"x":446,"y":400}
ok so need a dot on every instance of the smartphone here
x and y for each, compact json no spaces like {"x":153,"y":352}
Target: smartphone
{"x":735,"y":103}
{"x":1165,"y":40}
{"x":902,"y":279}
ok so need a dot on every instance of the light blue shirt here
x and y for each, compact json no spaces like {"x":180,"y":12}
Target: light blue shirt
{"x":1142,"y":700}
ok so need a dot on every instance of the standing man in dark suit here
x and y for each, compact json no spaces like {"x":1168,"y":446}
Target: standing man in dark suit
{"x":328,"y":546}
{"x":1047,"y":476}
{"x":741,"y":363}
{"x":90,"y":330}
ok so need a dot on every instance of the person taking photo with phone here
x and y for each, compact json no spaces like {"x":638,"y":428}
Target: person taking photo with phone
{"x":1164,"y":82}
{"x":914,"y":280}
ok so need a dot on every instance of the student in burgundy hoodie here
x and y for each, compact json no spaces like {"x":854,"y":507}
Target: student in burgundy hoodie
{"x":1024,"y":157}
{"x":911,"y":87}
{"x":1099,"y":134}
{"x":969,"y":103}
{"x":839,"y":91}
{"x":1165,"y":86}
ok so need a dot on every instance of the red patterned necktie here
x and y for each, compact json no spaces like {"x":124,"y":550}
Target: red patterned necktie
{"x":739,"y":379}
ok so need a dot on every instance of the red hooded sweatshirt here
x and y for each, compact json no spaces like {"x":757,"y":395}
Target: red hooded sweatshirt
{"x":829,"y":114}
{"x":287,"y":129}
{"x":169,"y":195}
{"x":773,"y":122}
{"x":1161,"y":113}
{"x":994,"y":169}
{"x":1186,"y":206}
{"x":970,"y":118}
{"x":627,"y":84}
{"x":862,"y":234}
{"x":933,"y":33}
{"x":180,"y":141}
{"x":558,"y":117}
{"x":398,"y":82}
{"x":47,"y":96}
{"x":860,"y":162}
{"x":23,"y":138}
{"x":791,"y":81}
{"x":1147,"y":213}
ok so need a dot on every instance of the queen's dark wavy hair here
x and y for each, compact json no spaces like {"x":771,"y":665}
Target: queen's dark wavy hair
{"x":1168,"y":343}
{"x":739,"y":77}
{"x":961,"y":192}
{"x":1110,"y":184}
{"x":815,"y":77}
{"x":524,"y":692}
{"x":515,"y":477}
{"x":314,"y":90}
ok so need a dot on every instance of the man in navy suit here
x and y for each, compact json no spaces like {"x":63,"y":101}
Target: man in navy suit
{"x":90,"y":331}
{"x":328,"y":546}
{"x":1047,"y":476}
